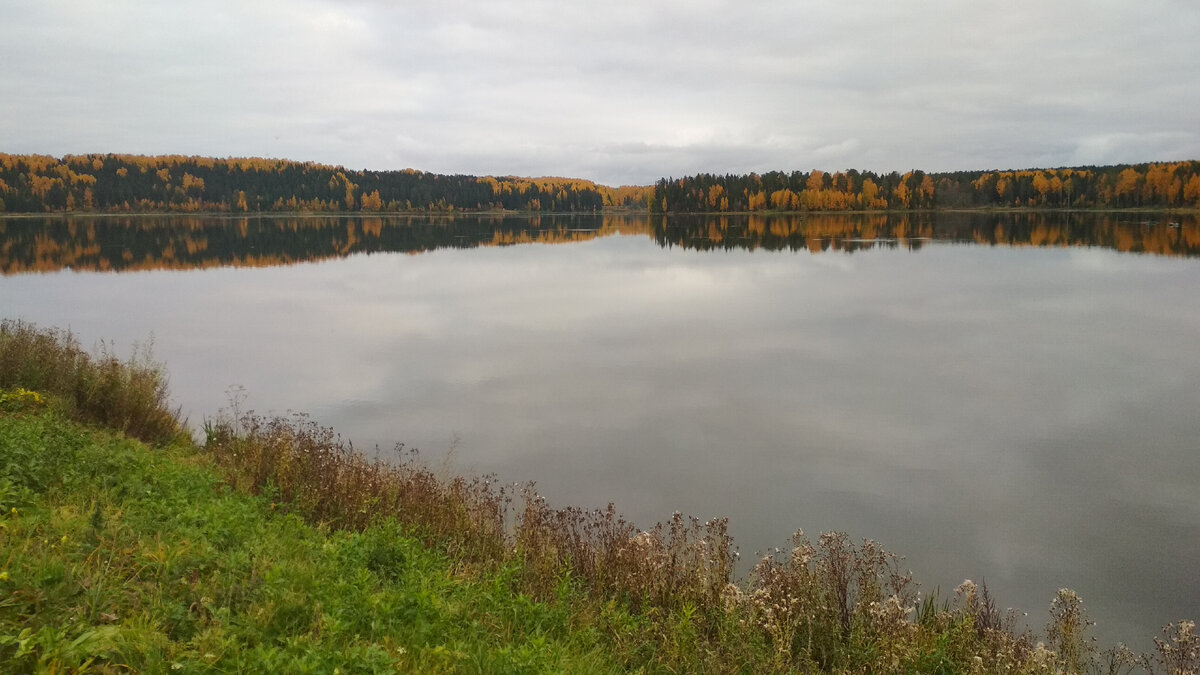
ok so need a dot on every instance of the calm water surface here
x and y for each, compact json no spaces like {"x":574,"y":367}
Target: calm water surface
{"x":1003,"y":397}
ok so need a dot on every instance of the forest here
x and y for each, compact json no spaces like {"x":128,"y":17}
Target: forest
{"x":114,"y":183}
{"x":1174,"y":185}
{"x":111,"y":183}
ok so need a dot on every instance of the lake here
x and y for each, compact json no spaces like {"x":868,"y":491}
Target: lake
{"x":1003,"y":396}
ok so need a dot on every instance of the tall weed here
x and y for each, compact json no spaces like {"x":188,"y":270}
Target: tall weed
{"x":128,"y":395}
{"x":311,"y":469}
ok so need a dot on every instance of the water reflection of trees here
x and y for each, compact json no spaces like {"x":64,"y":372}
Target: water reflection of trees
{"x":1129,"y":233}
{"x":179,"y":242}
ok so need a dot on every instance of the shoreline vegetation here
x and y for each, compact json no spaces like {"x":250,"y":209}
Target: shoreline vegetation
{"x":123,"y":183}
{"x":275,"y":546}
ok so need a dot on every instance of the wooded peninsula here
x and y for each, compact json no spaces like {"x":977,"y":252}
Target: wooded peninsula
{"x":117,"y":183}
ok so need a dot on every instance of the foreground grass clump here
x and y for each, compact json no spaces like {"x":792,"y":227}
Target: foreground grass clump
{"x":130,"y":396}
{"x":278,"y":548}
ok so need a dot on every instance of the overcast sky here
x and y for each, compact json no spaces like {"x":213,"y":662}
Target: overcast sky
{"x":623,"y":91}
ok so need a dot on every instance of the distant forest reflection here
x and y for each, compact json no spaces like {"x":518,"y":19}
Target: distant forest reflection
{"x":130,"y":243}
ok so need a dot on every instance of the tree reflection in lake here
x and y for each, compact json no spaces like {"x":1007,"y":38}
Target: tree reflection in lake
{"x":125,"y":243}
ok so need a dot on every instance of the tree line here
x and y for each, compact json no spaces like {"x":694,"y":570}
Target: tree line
{"x":1159,"y":185}
{"x":135,"y":183}
{"x":112,"y":183}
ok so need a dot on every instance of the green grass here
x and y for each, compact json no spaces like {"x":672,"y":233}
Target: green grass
{"x":276,"y":547}
{"x":116,"y":557}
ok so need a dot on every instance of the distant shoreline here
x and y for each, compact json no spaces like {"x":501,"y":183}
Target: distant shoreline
{"x":630,"y":212}
{"x":108,"y":183}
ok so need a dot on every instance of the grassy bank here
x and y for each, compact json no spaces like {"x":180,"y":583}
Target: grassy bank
{"x":119,"y":557}
{"x":274,"y":547}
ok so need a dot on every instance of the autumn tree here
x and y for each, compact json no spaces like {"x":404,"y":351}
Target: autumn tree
{"x":1191,"y":193}
{"x":1126,"y":190}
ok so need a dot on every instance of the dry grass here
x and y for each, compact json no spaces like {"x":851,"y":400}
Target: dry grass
{"x":127,"y":395}
{"x":309,"y":468}
{"x":829,"y":605}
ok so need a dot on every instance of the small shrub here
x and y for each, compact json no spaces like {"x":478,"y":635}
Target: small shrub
{"x":1179,"y":653}
{"x":20,"y":400}
{"x":825,"y":597}
{"x":129,"y":396}
{"x":1067,"y":631}
{"x":683,"y":562}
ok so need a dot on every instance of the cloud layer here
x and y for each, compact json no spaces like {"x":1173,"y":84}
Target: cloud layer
{"x":621,"y":92}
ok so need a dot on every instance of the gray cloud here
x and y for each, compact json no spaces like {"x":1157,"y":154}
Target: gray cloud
{"x":621,"y":93}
